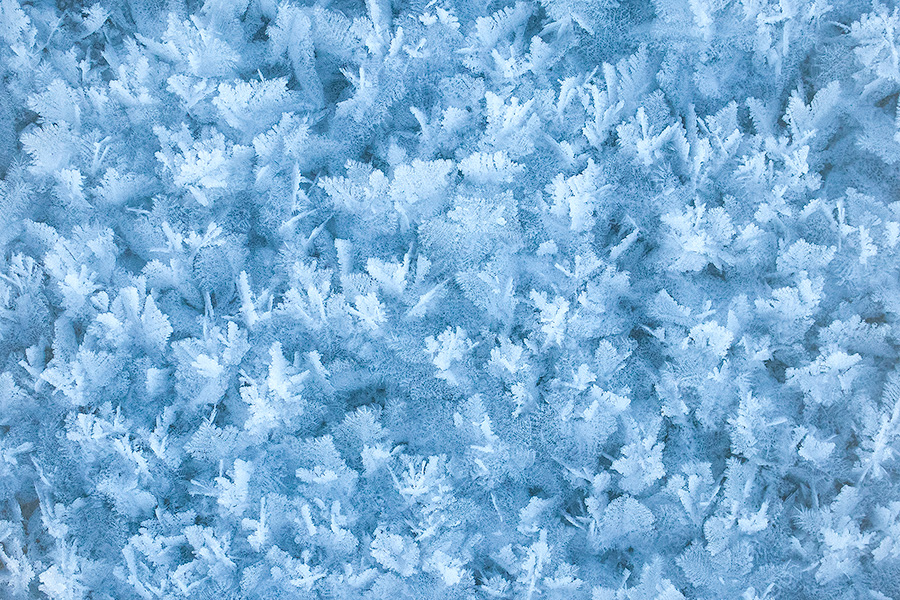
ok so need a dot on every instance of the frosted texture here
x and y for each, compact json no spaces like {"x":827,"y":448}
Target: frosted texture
{"x":452,"y":300}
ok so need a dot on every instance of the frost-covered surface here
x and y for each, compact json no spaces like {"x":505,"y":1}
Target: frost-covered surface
{"x":573,"y":299}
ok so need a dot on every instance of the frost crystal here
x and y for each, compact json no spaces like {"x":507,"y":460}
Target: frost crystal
{"x":525,"y":299}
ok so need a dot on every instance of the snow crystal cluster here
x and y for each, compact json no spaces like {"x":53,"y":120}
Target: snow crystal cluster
{"x":449,"y":299}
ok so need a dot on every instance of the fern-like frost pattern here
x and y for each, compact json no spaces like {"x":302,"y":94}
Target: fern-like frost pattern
{"x":449,"y":299}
